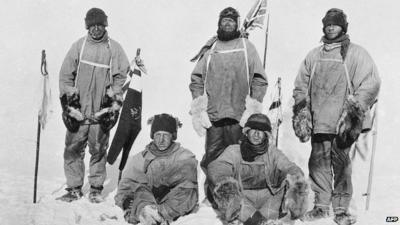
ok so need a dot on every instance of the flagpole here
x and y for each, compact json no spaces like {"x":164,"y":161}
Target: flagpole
{"x":37,"y":160}
{"x":277,"y":115}
{"x":371,"y":167}
{"x":43,"y":70}
{"x":266,"y":42}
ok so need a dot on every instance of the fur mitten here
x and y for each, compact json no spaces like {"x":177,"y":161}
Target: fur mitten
{"x":228,"y":198}
{"x":71,"y":114}
{"x":252,"y":106}
{"x":109,"y":110}
{"x":127,"y":206}
{"x":350,"y":123}
{"x":200,"y":119}
{"x":301,"y":121}
{"x":296,"y":197}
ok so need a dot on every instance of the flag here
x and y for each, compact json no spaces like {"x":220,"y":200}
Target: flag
{"x":256,"y":16}
{"x":275,"y":110}
{"x":130,"y":122}
{"x":45,"y":103}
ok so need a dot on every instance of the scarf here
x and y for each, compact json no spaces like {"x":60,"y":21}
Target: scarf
{"x":342,"y":41}
{"x":102,"y":39}
{"x":250,"y":151}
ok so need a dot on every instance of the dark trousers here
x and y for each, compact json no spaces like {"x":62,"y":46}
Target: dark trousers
{"x":220,"y":135}
{"x":327,"y":162}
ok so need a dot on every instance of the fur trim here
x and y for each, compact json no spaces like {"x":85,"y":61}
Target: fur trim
{"x":252,"y":106}
{"x":296,"y":197}
{"x":228,"y":198}
{"x":200,"y":119}
{"x":301,"y":121}
{"x":350,"y":123}
{"x":75,"y":113}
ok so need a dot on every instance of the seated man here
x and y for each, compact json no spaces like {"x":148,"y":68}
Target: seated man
{"x":254,"y":182}
{"x":160,"y":184}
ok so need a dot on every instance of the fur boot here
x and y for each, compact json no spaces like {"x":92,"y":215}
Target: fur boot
{"x":301,"y":121}
{"x":296,"y":197}
{"x":228,"y":198}
{"x":252,"y":106}
{"x":200,"y":119}
{"x":350,"y":123}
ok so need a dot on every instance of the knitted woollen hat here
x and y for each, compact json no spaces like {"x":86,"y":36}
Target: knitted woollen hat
{"x":229,"y":12}
{"x":95,"y":16}
{"x":335,"y":16}
{"x":164,"y":122}
{"x":258,"y":121}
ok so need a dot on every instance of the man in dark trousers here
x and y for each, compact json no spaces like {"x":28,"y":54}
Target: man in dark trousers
{"x":336,"y":85}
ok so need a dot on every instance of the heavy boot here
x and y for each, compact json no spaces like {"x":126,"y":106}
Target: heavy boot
{"x":315,"y":214}
{"x":95,"y":194}
{"x":73,"y":194}
{"x":344,"y":219}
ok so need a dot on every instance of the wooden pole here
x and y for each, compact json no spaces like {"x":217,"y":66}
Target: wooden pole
{"x":371,"y":166}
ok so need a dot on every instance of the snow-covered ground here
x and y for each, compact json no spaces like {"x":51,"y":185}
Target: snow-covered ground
{"x":169,"y":34}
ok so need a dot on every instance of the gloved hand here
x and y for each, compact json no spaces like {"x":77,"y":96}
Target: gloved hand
{"x":71,"y":114}
{"x":296,"y":197}
{"x":200,"y":119}
{"x":301,"y":120}
{"x":350,"y":123}
{"x":252,"y":106}
{"x":149,"y":215}
{"x":228,"y":198}
{"x":109,"y":110}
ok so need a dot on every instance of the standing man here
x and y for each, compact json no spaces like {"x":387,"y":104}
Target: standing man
{"x":160,"y":184}
{"x":228,"y":84}
{"x":255,"y":183}
{"x":336,"y":85}
{"x":91,"y":79}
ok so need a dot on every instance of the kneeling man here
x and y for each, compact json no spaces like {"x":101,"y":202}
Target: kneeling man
{"x":254,"y":182}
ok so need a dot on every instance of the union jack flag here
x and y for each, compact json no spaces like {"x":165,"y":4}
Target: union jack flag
{"x":256,"y":16}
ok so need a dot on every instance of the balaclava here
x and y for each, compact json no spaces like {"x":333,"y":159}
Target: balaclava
{"x":95,"y":16}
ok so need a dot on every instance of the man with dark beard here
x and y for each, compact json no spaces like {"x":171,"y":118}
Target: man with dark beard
{"x":336,"y":85}
{"x":228,"y":84}
{"x":91,"y":79}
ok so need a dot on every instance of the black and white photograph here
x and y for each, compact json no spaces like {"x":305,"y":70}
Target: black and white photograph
{"x":188,"y":112}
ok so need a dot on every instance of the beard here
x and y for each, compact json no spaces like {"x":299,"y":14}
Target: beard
{"x":227,"y":35}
